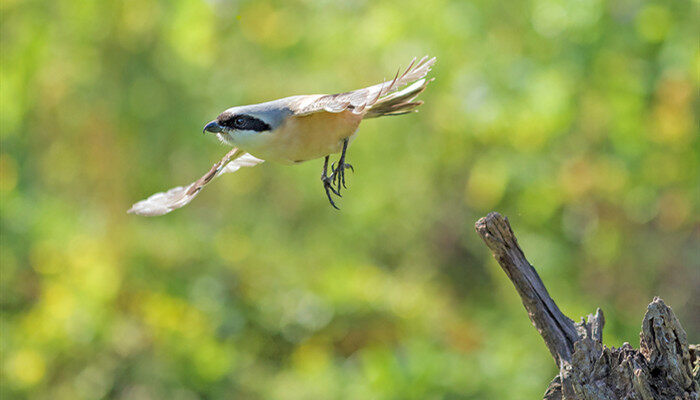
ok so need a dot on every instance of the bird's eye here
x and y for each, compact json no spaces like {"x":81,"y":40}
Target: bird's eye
{"x":246,"y":123}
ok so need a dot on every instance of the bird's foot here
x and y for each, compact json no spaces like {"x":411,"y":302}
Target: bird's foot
{"x":328,"y":184}
{"x":338,"y":174}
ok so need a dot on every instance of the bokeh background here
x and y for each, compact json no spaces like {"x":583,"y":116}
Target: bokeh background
{"x":576,"y":119}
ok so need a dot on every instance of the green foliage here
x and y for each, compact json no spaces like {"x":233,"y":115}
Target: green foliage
{"x":576,"y":119}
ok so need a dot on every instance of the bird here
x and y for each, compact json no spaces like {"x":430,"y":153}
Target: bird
{"x":296,"y":129}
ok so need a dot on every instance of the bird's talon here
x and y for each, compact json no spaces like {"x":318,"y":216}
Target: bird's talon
{"x":337,"y":176}
{"x":328,"y":185}
{"x":330,"y":189}
{"x":330,"y":199}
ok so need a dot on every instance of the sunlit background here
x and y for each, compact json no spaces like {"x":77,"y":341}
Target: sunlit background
{"x":576,"y":119}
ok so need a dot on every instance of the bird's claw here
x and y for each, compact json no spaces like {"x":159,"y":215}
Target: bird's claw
{"x":338,"y":174}
{"x":328,"y":186}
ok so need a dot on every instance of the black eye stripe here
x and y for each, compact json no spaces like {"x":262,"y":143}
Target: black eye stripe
{"x":245,"y":123}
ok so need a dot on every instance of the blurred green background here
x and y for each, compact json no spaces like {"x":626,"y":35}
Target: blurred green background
{"x":576,"y":119}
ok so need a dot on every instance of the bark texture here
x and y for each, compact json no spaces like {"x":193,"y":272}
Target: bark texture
{"x":664,"y":367}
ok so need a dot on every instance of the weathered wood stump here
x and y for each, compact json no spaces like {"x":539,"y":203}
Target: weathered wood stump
{"x":664,"y":367}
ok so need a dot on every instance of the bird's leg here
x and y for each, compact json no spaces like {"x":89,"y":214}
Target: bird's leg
{"x":328,"y":183}
{"x":339,"y":171}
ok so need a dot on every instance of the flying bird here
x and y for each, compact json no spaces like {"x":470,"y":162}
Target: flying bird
{"x":297,"y":129}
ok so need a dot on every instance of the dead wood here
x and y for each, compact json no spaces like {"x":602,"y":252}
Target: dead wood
{"x":664,"y":367}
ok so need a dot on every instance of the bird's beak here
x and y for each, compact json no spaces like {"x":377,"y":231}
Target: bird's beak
{"x":212,"y":127}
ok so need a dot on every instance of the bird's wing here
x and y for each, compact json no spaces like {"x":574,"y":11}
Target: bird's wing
{"x":164,"y":202}
{"x":358,"y":100}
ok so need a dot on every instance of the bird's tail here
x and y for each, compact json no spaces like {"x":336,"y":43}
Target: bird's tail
{"x":397,"y":103}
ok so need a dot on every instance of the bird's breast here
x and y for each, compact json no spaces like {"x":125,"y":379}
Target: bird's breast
{"x":306,"y":137}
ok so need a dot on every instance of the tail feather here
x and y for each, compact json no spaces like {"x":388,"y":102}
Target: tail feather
{"x":398,"y":103}
{"x":376,"y":100}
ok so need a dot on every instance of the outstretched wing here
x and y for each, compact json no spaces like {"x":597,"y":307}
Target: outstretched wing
{"x":164,"y":202}
{"x":358,"y":100}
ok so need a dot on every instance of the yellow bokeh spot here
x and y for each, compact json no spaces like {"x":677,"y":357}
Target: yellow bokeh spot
{"x":408,"y":298}
{"x":212,"y":361}
{"x":673,"y":116}
{"x":487,"y":183}
{"x":93,"y":267}
{"x":653,"y":23}
{"x":381,"y":25}
{"x":25,"y":368}
{"x":541,"y":199}
{"x":168,"y":315}
{"x":265,"y":25}
{"x":59,"y":301}
{"x":531,"y":132}
{"x":191,"y":32}
{"x":310,"y":358}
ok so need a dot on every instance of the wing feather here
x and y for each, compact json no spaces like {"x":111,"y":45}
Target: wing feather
{"x":165,"y":202}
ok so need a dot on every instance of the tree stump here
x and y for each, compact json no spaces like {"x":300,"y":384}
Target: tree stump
{"x":664,"y":367}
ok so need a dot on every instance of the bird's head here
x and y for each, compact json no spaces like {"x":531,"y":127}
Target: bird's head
{"x":239,"y":125}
